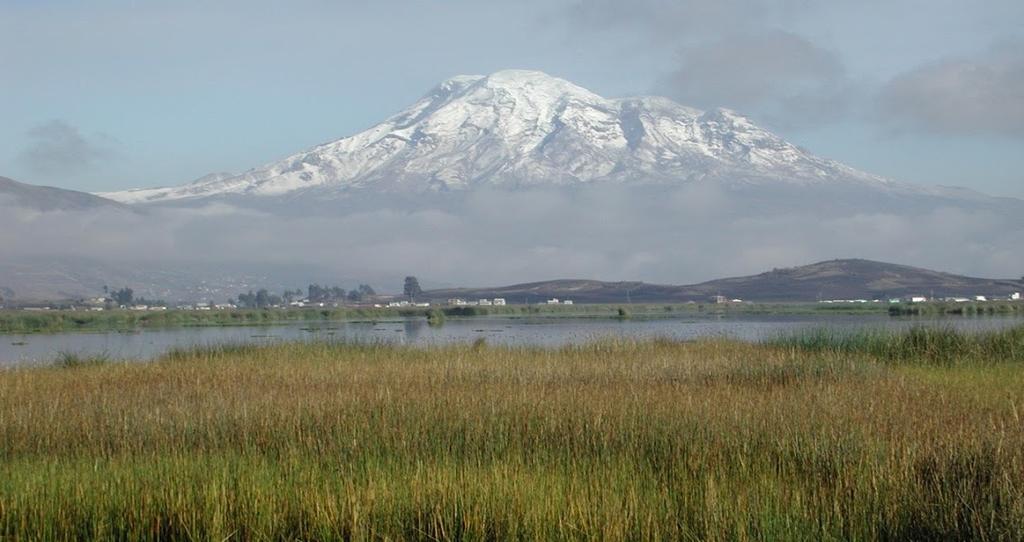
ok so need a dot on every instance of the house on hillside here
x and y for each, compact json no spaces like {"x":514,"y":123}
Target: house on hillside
{"x":1015,"y":296}
{"x":499,"y":301}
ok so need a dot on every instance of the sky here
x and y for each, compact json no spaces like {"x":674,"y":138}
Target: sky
{"x":110,"y":94}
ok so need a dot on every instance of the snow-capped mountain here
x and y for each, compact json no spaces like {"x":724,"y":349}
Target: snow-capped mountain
{"x":525,"y":128}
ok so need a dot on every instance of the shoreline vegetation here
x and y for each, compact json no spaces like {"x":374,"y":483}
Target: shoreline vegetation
{"x":25,"y":322}
{"x":815,"y":436}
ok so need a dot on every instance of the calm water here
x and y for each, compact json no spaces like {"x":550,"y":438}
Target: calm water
{"x":44,"y":348}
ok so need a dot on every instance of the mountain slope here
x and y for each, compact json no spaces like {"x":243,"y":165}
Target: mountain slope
{"x":835,"y":279}
{"x":524,"y":128}
{"x":46,"y":198}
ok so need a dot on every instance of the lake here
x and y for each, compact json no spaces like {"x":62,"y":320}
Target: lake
{"x":540,"y":331}
{"x":550,"y":331}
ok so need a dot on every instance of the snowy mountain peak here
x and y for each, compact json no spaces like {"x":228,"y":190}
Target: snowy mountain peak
{"x":520,"y":127}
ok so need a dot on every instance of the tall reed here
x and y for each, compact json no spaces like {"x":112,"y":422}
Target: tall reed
{"x":615,"y":440}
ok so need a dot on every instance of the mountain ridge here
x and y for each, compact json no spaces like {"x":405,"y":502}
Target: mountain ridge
{"x":845,"y":279}
{"x":49,"y":198}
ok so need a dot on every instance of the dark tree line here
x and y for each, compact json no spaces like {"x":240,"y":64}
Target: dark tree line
{"x":259,"y":300}
{"x":124,"y":296}
{"x":323,"y":294}
{"x":314,"y":293}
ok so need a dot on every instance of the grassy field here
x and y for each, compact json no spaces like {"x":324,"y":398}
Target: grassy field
{"x":20,"y":321}
{"x":979,"y":308}
{"x":915,"y":437}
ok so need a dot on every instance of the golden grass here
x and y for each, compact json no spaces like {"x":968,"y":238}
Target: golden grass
{"x":612,"y":441}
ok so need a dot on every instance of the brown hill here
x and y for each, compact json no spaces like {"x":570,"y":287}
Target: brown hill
{"x":48,"y":198}
{"x":835,"y":279}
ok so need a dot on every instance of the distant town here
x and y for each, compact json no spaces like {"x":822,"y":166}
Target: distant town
{"x":315,"y":296}
{"x":365,"y":297}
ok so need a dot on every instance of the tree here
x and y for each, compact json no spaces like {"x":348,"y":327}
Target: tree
{"x":317,"y":293}
{"x":412,"y":288}
{"x":124,"y":296}
{"x":247,"y":301}
{"x":262,"y":298}
{"x":362,"y":293}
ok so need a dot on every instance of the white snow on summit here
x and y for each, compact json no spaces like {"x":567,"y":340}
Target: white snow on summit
{"x":521,"y":128}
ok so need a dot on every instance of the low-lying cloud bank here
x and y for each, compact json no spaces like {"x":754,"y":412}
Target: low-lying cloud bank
{"x":676,"y":236}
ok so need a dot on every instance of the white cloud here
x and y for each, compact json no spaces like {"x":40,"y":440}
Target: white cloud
{"x":983,"y":94}
{"x":686,"y":235}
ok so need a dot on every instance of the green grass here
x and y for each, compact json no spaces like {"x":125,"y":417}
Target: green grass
{"x":810,"y":439}
{"x":959,"y":309}
{"x":73,"y":360}
{"x":15,"y":321}
{"x":931,"y":345}
{"x":55,"y":321}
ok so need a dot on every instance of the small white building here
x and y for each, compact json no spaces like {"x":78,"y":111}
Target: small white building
{"x":567,"y":302}
{"x":918,"y":299}
{"x":484,"y":302}
{"x":553,"y":301}
{"x":1015,"y":296}
{"x":500,"y":301}
{"x":980,"y":298}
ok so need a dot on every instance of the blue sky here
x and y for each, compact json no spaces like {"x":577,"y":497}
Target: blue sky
{"x":105,"y":95}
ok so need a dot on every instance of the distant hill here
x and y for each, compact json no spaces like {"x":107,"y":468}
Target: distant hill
{"x":47,"y":198}
{"x":835,"y":279}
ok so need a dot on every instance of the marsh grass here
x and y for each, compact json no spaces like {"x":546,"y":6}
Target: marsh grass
{"x":74,"y":360}
{"x":19,"y":321}
{"x":958,"y":309}
{"x":917,"y":345}
{"x":613,"y":440}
